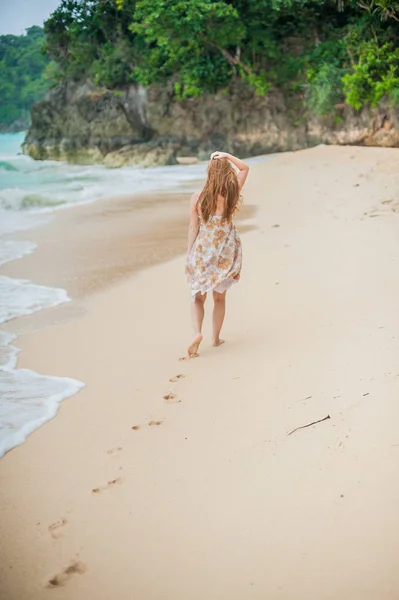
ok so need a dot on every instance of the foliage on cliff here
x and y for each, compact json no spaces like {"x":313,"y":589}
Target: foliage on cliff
{"x":324,"y":52}
{"x":23,"y":75}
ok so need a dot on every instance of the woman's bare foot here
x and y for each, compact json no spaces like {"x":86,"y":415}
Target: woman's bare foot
{"x":193,"y":347}
{"x":218,"y":342}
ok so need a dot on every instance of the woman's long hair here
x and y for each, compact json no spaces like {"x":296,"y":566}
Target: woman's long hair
{"x":221,"y":181}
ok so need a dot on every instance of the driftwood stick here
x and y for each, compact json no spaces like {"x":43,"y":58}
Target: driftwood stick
{"x":310,"y":424}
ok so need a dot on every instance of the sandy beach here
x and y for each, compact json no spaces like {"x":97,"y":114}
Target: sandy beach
{"x":177,"y":480}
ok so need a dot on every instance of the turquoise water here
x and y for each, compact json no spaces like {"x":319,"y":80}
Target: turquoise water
{"x":10,"y":143}
{"x":26,"y":184}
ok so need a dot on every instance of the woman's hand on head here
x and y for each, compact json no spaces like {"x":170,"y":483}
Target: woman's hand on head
{"x":237,"y":162}
{"x":218,"y":154}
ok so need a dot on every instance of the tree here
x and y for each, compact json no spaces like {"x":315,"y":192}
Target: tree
{"x":197,"y":42}
{"x":22,"y":74}
{"x":91,"y":38}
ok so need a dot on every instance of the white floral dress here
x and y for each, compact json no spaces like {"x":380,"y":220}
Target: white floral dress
{"x":215,"y":260}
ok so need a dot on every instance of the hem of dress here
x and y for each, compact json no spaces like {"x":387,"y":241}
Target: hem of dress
{"x":223,"y":286}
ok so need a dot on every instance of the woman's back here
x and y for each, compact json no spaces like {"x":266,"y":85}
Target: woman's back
{"x":221,"y":206}
{"x":219,"y":212}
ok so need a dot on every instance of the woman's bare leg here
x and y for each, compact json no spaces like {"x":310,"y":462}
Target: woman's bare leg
{"x":219,"y":310}
{"x":197,"y":313}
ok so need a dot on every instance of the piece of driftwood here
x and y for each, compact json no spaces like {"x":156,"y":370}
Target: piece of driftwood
{"x":309,"y":424}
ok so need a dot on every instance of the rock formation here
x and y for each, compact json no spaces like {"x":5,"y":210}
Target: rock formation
{"x":139,"y":126}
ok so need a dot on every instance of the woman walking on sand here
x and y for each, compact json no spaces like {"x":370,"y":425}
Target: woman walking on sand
{"x":214,"y":249}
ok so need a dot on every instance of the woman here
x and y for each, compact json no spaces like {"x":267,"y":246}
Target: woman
{"x":214,"y":248}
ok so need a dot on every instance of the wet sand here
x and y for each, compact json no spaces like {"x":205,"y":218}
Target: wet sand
{"x":177,"y":479}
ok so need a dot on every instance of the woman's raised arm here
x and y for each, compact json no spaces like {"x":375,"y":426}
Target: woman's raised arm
{"x":242,"y":167}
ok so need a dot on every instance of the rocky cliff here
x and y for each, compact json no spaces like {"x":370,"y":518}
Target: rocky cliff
{"x":83,"y":124}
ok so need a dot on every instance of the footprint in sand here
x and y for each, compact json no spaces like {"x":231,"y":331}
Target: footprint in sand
{"x":155,"y":423}
{"x":171,"y":398}
{"x":193,"y":355}
{"x":177,"y":377}
{"x":54,"y":528}
{"x":111,"y":483}
{"x":151,"y":423}
{"x":76,"y":567}
{"x":114,"y":450}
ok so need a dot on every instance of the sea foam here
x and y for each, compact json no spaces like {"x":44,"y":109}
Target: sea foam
{"x":27,"y":399}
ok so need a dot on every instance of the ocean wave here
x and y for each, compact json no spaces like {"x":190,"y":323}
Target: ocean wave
{"x":26,"y":164}
{"x":17,"y":199}
{"x":19,"y":297}
{"x":7,"y":166}
{"x":8,"y":353}
{"x":12,"y":221}
{"x":37,"y":201}
{"x":28,"y":400}
{"x":13,"y":249}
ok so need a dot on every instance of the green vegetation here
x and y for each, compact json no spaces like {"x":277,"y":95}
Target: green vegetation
{"x":24,"y":74}
{"x":324,"y":51}
{"x":375,"y":75}
{"x":319,"y":52}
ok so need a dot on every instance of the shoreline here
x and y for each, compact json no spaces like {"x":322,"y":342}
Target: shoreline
{"x":204,"y":495}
